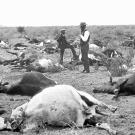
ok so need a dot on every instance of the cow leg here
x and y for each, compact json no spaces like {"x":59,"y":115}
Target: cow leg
{"x":80,"y":119}
{"x":101,"y":113}
{"x":104,"y":89}
{"x":93,"y":111}
{"x":106,"y":127}
{"x":110,"y":107}
{"x":91,"y":100}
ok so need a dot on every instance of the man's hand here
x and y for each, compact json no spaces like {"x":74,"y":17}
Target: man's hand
{"x":80,"y":36}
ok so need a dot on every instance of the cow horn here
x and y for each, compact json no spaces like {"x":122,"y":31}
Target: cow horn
{"x":101,"y":113}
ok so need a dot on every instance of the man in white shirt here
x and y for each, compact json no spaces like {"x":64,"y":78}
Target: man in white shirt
{"x":84,"y":43}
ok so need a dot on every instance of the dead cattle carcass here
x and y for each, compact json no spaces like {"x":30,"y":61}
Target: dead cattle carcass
{"x":92,"y":59}
{"x":3,"y":44}
{"x":51,"y":47}
{"x":59,"y":105}
{"x":45,"y":65}
{"x":111,"y":53}
{"x":34,"y":41}
{"x":128,"y":43}
{"x":122,"y":87}
{"x":29,"y":84}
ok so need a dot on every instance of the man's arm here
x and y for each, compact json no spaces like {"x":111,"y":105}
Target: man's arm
{"x":85,"y":37}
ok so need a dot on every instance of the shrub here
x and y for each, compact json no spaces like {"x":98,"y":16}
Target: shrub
{"x":21,"y":29}
{"x":116,"y":66}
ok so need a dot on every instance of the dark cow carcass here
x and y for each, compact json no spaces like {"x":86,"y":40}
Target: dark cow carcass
{"x":110,"y":53}
{"x":123,"y":87}
{"x":51,"y":46}
{"x":34,"y":41}
{"x":98,"y":43}
{"x":29,"y":84}
{"x":50,"y":49}
{"x":127,"y":43}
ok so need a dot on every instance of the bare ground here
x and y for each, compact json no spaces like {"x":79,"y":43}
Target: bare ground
{"x":123,"y":121}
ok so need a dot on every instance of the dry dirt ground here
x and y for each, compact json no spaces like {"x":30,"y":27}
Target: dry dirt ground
{"x":123,"y":121}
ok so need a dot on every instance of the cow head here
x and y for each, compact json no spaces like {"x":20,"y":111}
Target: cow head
{"x":110,"y":87}
{"x":113,"y":87}
{"x":112,"y":53}
{"x":17,"y":117}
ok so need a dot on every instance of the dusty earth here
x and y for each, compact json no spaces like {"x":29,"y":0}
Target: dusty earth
{"x":123,"y":121}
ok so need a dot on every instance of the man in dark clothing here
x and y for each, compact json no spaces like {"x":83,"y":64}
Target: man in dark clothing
{"x":133,"y":41}
{"x":84,"y":43}
{"x":63,"y":44}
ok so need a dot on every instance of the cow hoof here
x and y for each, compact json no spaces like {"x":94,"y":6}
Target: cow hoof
{"x":113,"y":132}
{"x":113,"y":109}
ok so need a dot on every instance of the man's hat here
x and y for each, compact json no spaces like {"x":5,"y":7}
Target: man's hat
{"x":82,"y":24}
{"x":62,"y":30}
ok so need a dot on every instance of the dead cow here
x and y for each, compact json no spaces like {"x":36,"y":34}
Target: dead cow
{"x":29,"y":84}
{"x":123,"y":87}
{"x":45,"y":65}
{"x":59,"y":105}
{"x":110,"y":53}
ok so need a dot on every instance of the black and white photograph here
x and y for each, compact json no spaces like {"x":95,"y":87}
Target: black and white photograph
{"x":67,"y":67}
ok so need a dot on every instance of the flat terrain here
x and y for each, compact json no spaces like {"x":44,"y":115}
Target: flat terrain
{"x":123,"y":121}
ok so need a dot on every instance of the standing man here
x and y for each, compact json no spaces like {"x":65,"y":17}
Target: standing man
{"x":63,"y":44}
{"x":133,"y":41}
{"x":84,"y":43}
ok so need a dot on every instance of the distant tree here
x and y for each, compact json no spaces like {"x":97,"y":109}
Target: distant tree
{"x":21,"y":29}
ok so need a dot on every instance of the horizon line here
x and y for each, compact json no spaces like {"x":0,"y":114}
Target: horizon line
{"x":66,"y":25}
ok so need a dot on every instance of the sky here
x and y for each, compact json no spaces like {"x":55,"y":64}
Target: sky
{"x":66,"y":12}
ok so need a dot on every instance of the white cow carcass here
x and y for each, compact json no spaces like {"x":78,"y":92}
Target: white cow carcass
{"x":41,"y":44}
{"x":60,"y":105}
{"x":3,"y":44}
{"x":45,"y":65}
{"x":92,"y":58}
{"x":94,"y":47}
{"x":49,"y":65}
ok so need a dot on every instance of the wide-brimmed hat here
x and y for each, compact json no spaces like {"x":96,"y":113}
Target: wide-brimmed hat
{"x":62,"y":30}
{"x":82,"y":24}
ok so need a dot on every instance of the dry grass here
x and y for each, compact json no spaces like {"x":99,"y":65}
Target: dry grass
{"x":116,"y":67}
{"x":124,"y":121}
